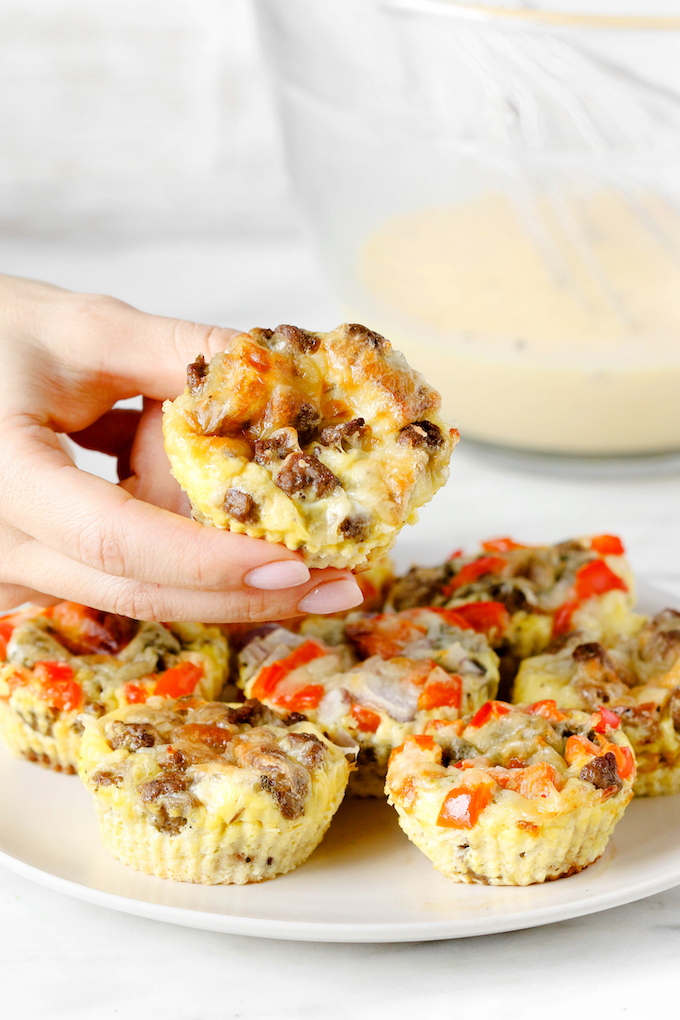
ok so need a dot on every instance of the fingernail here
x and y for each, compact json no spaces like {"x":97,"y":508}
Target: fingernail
{"x":332,"y":597}
{"x":278,"y":574}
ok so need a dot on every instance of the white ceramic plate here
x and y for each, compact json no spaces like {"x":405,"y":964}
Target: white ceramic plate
{"x":365,"y":883}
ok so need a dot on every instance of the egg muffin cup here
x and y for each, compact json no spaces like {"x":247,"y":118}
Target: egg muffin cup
{"x":56,"y":748}
{"x":515,"y":795}
{"x":638,"y":680}
{"x":324,"y":442}
{"x":210,"y":793}
{"x":523,"y":597}
{"x":68,"y":659}
{"x":369,"y":681}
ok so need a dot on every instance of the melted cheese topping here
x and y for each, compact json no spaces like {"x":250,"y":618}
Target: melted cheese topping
{"x":254,"y":441}
{"x":221,"y":792}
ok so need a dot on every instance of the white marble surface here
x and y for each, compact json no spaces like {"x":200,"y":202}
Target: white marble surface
{"x":62,"y":958}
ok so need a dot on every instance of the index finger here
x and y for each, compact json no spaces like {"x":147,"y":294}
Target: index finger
{"x":133,"y":351}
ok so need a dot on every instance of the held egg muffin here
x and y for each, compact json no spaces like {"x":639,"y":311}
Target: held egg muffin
{"x":522,"y":596}
{"x":207,"y":792}
{"x":69,"y":659}
{"x":325,"y":442}
{"x":515,"y":795}
{"x":638,"y":680}
{"x":371,"y":680}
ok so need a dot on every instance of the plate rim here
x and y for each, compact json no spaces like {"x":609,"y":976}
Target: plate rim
{"x":341,"y":932}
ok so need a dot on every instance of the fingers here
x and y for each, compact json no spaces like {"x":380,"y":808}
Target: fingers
{"x":149,"y":476}
{"x":103,"y":528}
{"x":146,"y":353}
{"x":136,"y":439}
{"x":73,"y":355}
{"x":13,"y":595}
{"x":153,"y":351}
{"x":47,"y":571}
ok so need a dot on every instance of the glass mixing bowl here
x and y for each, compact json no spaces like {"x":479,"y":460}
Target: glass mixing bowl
{"x":497,"y":191}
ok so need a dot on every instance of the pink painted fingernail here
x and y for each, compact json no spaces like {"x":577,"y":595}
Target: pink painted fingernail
{"x":332,"y":597}
{"x":278,"y":574}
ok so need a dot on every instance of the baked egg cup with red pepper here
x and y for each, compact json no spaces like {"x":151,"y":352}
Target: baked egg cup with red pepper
{"x":523,"y":596}
{"x":371,"y":680}
{"x":324,"y":442}
{"x":69,"y":660}
{"x":637,"y":681}
{"x":198,"y":791}
{"x":514,"y":795}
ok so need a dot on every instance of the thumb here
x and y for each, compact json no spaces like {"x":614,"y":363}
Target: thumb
{"x":150,"y":477}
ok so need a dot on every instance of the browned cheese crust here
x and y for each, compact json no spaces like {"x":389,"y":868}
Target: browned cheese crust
{"x":327,"y":442}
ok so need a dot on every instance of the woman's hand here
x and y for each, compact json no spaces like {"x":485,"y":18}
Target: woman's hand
{"x":66,"y":359}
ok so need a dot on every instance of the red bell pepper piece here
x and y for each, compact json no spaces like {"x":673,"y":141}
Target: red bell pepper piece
{"x":135,"y":694}
{"x":271,"y":676}
{"x":606,"y":720}
{"x":6,"y":629}
{"x":12,"y":620}
{"x":424,"y":741}
{"x":539,"y":780}
{"x":57,"y":686}
{"x":502,"y":545}
{"x":593,"y":578}
{"x":301,"y":699}
{"x":562,"y":617}
{"x":478,"y":568}
{"x":452,"y":617}
{"x":607,"y":545}
{"x":489,"y":710}
{"x":625,"y":762}
{"x":596,"y":578}
{"x":547,"y":709}
{"x":366,"y":719}
{"x":441,"y":694}
{"x":485,"y":617}
{"x":577,"y":746}
{"x":178,"y":681}
{"x":463,"y":805}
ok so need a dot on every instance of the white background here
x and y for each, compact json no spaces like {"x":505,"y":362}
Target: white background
{"x":136,"y":117}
